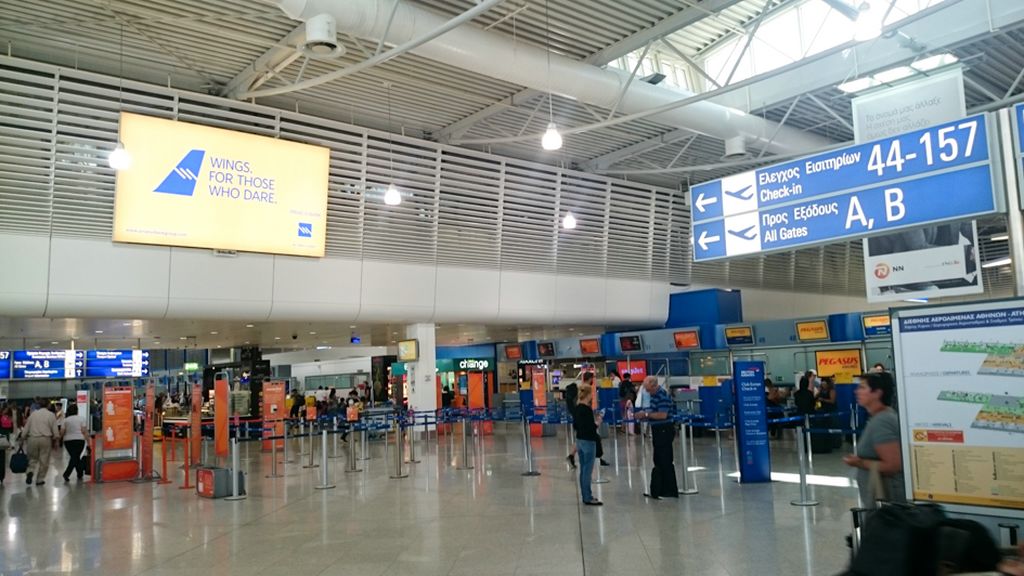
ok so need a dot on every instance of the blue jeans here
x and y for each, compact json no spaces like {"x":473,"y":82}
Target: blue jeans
{"x":586,"y":451}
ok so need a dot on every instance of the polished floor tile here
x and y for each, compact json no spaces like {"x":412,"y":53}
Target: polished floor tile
{"x":440,"y":520}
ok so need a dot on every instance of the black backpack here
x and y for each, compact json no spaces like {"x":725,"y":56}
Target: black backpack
{"x":900,"y":540}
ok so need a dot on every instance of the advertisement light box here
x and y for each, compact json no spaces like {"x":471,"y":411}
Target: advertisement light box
{"x":408,"y":350}
{"x":513,"y":352}
{"x":590,"y":346}
{"x":546,"y":349}
{"x":687,"y":339}
{"x":631,"y":344}
{"x":812,"y":331}
{"x":202,"y":187}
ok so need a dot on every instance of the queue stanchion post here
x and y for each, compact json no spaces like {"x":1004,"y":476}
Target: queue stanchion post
{"x":807,"y":439}
{"x":236,"y":470}
{"x":352,"y":458}
{"x":364,"y":444}
{"x":163,"y":460}
{"x":687,"y":489}
{"x":411,"y":432}
{"x":335,"y":454}
{"x":853,"y":426}
{"x":465,"y":465}
{"x":187,"y":485}
{"x":312,"y":450}
{"x":528,"y":448}
{"x":398,"y":456}
{"x":287,"y":459}
{"x":325,"y":482}
{"x":805,"y":498}
{"x":273,"y":457}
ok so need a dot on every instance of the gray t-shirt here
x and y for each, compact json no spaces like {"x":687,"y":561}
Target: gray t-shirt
{"x":882,"y":428}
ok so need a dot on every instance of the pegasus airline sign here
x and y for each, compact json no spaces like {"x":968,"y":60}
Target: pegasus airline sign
{"x":201,"y":187}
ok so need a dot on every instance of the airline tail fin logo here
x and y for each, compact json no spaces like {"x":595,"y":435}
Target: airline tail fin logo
{"x":182,"y":179}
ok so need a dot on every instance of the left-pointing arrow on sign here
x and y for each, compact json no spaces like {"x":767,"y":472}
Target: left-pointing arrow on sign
{"x":703,"y":201}
{"x":706,"y":239}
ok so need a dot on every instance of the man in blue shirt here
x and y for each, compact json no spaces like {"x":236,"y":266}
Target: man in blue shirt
{"x":663,"y":433}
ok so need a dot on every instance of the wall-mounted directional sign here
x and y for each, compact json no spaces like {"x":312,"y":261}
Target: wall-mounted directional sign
{"x":931,"y":175}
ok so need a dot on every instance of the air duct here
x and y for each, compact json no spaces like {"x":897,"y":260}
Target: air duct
{"x":496,"y":55}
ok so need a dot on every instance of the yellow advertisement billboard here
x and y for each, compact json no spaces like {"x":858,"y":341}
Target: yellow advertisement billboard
{"x":844,"y":365}
{"x":811,"y":330}
{"x":203,"y":187}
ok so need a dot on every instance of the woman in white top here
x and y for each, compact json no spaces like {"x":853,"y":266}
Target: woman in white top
{"x":74,"y":433}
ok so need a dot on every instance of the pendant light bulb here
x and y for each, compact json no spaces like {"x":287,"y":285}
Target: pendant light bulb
{"x":569,"y":222}
{"x":392,"y":197}
{"x":552,"y":140}
{"x":868,"y":24}
{"x":119,"y":158}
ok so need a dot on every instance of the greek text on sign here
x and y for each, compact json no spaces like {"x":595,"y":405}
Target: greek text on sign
{"x":937,"y":174}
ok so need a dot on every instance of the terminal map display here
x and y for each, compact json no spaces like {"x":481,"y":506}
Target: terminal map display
{"x":852,"y":192}
{"x":961,"y":392}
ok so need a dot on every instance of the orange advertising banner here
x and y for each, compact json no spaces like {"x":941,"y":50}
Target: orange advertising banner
{"x":197,"y":422}
{"x":117,"y":418}
{"x":147,"y":432}
{"x":843,"y":365}
{"x":221,"y":411}
{"x":540,"y":401}
{"x":274,"y":412}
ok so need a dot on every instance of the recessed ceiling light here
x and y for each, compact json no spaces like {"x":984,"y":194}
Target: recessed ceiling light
{"x":250,"y":325}
{"x":183,"y":338}
{"x":352,"y":326}
{"x":277,"y":337}
{"x":99,"y":331}
{"x":933,"y":62}
{"x":246,"y":341}
{"x":856,"y":86}
{"x":312,"y":333}
{"x":53,"y":342}
{"x":213,"y":333}
{"x":126,"y":324}
{"x":394,"y":333}
{"x":894,"y":74}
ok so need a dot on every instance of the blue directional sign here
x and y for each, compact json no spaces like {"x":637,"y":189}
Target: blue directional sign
{"x":116,"y":363}
{"x":5,"y":365}
{"x":47,"y":364}
{"x":936,"y":174}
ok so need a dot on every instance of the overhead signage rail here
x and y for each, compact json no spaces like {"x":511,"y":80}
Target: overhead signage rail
{"x":932,"y":175}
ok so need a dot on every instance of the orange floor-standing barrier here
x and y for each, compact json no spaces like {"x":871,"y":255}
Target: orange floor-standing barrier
{"x":538,"y":384}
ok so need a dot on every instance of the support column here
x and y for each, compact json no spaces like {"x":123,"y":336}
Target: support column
{"x":422,"y":374}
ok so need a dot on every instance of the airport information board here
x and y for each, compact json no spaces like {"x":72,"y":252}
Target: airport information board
{"x":5,"y":365}
{"x":47,"y":364}
{"x":932,"y":175}
{"x":116,"y":363}
{"x":961,"y":398}
{"x":62,"y":364}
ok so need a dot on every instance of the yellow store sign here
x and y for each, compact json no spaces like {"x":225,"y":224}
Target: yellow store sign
{"x":844,"y":365}
{"x":202,"y":187}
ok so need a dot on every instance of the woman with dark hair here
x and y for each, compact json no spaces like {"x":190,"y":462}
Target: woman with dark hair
{"x":879,"y":460}
{"x":803,"y":397}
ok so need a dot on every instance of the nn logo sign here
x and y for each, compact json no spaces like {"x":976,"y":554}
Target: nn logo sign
{"x":182,"y":179}
{"x":305,"y":230}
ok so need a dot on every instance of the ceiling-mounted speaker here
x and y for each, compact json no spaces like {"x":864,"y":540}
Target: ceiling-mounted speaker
{"x":321,"y":41}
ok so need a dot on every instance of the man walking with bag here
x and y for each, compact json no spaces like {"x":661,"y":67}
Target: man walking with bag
{"x":42,"y":433}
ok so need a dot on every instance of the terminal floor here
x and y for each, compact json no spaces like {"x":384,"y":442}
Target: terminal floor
{"x":439,"y":521}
